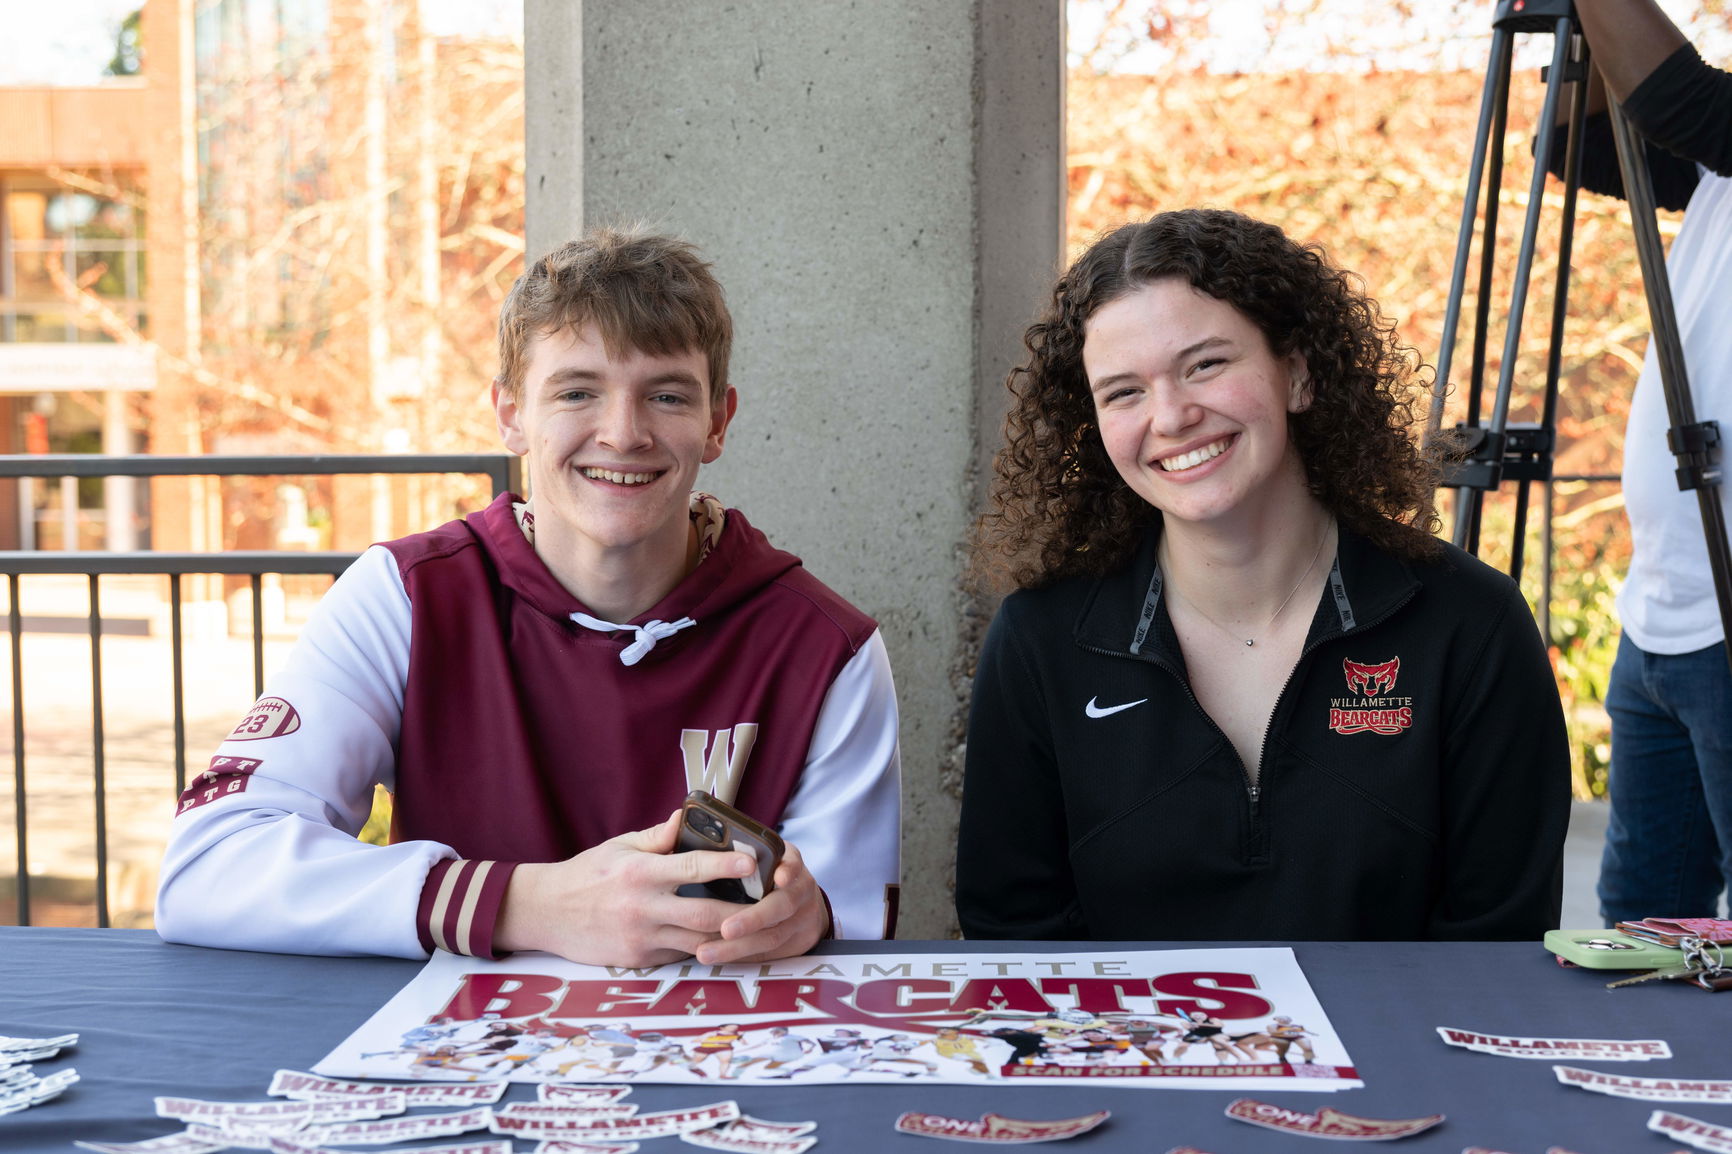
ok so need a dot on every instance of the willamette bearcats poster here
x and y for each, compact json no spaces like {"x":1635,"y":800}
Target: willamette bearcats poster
{"x":1241,"y":1019}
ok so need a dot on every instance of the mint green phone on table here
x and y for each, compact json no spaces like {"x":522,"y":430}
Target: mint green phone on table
{"x":1609,"y":950}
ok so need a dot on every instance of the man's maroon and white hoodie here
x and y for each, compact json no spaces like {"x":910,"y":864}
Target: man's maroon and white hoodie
{"x":452,"y":668}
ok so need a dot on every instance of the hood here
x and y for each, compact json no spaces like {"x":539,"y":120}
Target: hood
{"x":738,"y":566}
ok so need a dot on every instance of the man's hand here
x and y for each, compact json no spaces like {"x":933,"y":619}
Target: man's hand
{"x":614,"y":904}
{"x":787,"y":922}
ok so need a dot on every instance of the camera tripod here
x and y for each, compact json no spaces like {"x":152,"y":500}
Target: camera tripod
{"x":1487,"y":454}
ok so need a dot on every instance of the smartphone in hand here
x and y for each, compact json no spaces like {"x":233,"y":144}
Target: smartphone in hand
{"x":708,"y":824}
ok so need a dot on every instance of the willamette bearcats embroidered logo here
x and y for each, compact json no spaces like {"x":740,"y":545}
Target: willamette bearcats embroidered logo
{"x":1376,"y":711}
{"x":269,"y":717}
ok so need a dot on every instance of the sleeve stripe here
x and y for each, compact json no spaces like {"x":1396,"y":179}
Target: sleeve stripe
{"x":460,"y":903}
{"x":434,"y":916}
{"x":466,"y":914}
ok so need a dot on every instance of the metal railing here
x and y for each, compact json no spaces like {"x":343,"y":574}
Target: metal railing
{"x":501,"y":470}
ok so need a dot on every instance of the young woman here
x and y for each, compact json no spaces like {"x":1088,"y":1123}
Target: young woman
{"x":1242,"y":692}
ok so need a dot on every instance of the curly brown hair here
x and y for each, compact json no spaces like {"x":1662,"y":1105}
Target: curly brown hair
{"x":1060,"y":508}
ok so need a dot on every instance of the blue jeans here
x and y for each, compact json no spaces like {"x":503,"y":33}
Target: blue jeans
{"x":1669,"y":838}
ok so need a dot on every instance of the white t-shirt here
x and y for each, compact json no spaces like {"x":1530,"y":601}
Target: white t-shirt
{"x":1668,"y":604}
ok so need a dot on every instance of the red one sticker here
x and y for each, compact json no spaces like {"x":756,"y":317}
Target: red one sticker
{"x":996,"y":1128}
{"x":269,"y":717}
{"x":1328,"y":1122}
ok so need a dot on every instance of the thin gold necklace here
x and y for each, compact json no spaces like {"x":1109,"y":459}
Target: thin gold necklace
{"x":1269,"y":624}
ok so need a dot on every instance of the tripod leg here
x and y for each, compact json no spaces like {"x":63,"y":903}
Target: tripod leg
{"x":1492,"y":112}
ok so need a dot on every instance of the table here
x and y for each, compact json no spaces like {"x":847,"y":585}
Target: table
{"x":156,"y":1019}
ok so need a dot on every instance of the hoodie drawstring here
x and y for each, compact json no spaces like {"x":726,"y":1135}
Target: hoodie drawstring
{"x":646,"y":634}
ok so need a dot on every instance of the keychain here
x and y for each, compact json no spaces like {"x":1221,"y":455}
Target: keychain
{"x":1706,"y":969}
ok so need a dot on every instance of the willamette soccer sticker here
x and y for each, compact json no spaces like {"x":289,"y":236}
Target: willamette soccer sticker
{"x":1581,"y":1049}
{"x":1374,"y":709}
{"x":1702,"y":1135}
{"x":269,"y":717}
{"x":1646,"y":1089}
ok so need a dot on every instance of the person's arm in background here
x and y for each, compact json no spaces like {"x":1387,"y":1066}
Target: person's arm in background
{"x":1681,"y":106}
{"x":1628,"y":40}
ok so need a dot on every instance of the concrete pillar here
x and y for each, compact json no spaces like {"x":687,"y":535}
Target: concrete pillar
{"x":881,"y":189}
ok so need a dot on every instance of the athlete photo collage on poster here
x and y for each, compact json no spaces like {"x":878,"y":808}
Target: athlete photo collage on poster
{"x":1215,"y":1018}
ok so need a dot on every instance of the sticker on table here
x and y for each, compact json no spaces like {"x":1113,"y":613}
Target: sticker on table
{"x":1208,"y":1018}
{"x":1328,"y":1122}
{"x":748,"y":1141}
{"x":572,"y":1094}
{"x":997,"y":1128}
{"x":29,"y":1090}
{"x":295,"y":1084}
{"x":182,"y":1143}
{"x":559,"y":1146}
{"x":215,"y":1113}
{"x":1583,"y":1049}
{"x":15,"y":1050}
{"x":1702,"y":1135}
{"x":662,"y":1124}
{"x":1646,"y":1089}
{"x":405,"y":1129}
{"x":563,"y":1111}
{"x":485,"y":1146}
{"x":745,"y":1123}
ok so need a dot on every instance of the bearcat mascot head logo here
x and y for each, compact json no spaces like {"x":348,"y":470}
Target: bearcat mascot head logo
{"x":1371,"y":680}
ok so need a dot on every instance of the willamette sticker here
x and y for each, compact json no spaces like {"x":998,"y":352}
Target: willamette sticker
{"x":1702,"y":1135}
{"x":1646,"y":1089}
{"x":1595,"y":1049}
{"x":748,"y":1141}
{"x":1327,"y":1122}
{"x":560,"y":1146}
{"x":996,"y":1128}
{"x":664,"y":1124}
{"x":561,"y":1111}
{"x":405,"y":1129}
{"x":295,"y":1084}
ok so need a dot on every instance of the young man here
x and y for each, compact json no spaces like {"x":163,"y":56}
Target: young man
{"x":540,"y":684}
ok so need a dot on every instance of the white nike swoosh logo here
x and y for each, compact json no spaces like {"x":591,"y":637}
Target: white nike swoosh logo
{"x":1094,"y":710}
